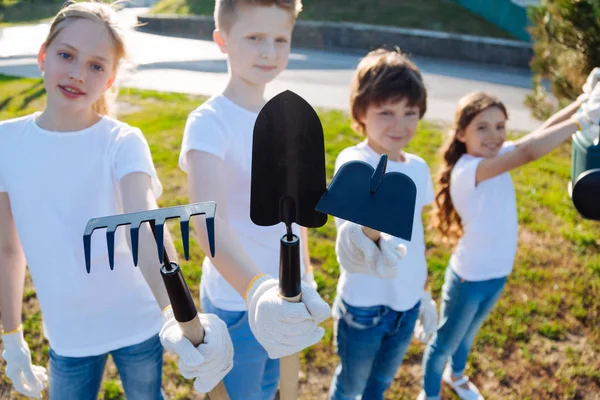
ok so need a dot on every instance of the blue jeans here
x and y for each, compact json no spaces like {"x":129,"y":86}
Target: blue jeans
{"x":254,"y":375}
{"x":465,"y":306}
{"x":79,"y":378}
{"x":371,"y":343}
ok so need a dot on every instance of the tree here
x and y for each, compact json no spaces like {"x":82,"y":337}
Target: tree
{"x":566,"y":37}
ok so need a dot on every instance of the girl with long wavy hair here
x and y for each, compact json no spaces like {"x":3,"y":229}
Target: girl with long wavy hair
{"x":476,"y":204}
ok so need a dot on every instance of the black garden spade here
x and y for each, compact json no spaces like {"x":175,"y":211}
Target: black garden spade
{"x":184,"y":309}
{"x":288,"y":185}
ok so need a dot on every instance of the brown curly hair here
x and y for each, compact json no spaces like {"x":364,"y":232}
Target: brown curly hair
{"x":445,"y":217}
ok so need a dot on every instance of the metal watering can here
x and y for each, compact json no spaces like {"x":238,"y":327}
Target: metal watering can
{"x":584,"y":186}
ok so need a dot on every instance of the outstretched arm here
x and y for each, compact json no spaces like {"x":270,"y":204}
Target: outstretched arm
{"x":136,"y":193}
{"x":205,"y":179}
{"x":12,"y":268}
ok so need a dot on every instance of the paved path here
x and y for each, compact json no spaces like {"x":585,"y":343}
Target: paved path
{"x":322,"y":78}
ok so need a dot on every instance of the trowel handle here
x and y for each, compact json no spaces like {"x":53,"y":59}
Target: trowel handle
{"x":186,"y":314}
{"x":290,"y":284}
{"x":290,"y":288}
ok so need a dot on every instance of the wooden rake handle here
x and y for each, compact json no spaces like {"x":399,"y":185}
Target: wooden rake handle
{"x":194,"y":332}
{"x":184,"y":309}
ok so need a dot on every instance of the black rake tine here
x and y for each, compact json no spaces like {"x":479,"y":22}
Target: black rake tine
{"x":184,"y":224}
{"x":87,"y":244}
{"x":159,"y":234}
{"x":210,"y":229}
{"x":134,"y":232}
{"x":110,"y":243}
{"x":91,"y":226}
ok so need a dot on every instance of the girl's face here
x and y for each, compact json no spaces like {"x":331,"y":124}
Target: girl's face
{"x":390,"y":126}
{"x":485,"y":134}
{"x":79,"y":65}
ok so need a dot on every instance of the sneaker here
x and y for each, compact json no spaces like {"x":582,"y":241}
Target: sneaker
{"x":464,"y":394}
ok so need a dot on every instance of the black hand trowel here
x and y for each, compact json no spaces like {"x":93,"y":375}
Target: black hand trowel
{"x":288,"y":178}
{"x":182,"y":303}
{"x":288,"y":185}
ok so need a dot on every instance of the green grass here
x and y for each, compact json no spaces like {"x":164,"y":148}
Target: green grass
{"x":439,"y":15}
{"x":22,"y":11}
{"x":542,"y":341}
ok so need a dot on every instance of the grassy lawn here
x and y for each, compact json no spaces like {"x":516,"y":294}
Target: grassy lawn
{"x":21,"y":12}
{"x":439,"y":15}
{"x":541,"y":342}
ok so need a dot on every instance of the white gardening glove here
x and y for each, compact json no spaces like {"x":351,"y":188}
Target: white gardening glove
{"x":27,"y":379}
{"x":207,"y":363}
{"x":281,"y":327}
{"x":592,"y":79}
{"x":428,"y":318}
{"x":358,"y":254}
{"x":589,"y":114}
{"x":309,"y":278}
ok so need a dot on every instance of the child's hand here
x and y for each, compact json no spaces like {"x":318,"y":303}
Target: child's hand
{"x":207,"y":363}
{"x":359,"y":254}
{"x":592,"y":79}
{"x":590,"y":111}
{"x":27,"y":379}
{"x":428,"y":318}
{"x":281,"y":327}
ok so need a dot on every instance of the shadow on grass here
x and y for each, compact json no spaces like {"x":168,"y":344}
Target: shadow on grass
{"x":28,"y":95}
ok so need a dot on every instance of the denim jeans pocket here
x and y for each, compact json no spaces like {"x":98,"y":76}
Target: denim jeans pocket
{"x":361,"y":317}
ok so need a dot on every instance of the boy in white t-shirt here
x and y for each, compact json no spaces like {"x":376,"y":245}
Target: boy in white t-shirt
{"x":240,"y":284}
{"x":380,"y":290}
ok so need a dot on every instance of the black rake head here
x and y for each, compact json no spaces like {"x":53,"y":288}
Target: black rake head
{"x":157,"y":219}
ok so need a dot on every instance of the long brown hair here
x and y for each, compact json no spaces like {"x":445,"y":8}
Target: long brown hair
{"x":97,"y":12}
{"x":445,"y":217}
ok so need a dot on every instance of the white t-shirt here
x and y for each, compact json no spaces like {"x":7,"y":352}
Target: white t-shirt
{"x":406,"y":289}
{"x":224,"y":129}
{"x":57,"y":182}
{"x":489,"y":217}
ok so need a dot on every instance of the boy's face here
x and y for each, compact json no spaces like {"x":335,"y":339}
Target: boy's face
{"x":485,"y":135}
{"x":390,"y":126}
{"x":258,"y":43}
{"x":78,"y":65}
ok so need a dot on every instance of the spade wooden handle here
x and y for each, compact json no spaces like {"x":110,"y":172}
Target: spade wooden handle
{"x":289,"y":368}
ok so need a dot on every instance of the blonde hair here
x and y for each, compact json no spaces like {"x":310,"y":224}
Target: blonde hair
{"x":96,"y":12}
{"x":382,"y":76}
{"x":225,"y":10}
{"x":445,"y":216}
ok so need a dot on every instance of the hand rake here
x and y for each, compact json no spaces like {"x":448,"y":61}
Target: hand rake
{"x":184,"y":309}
